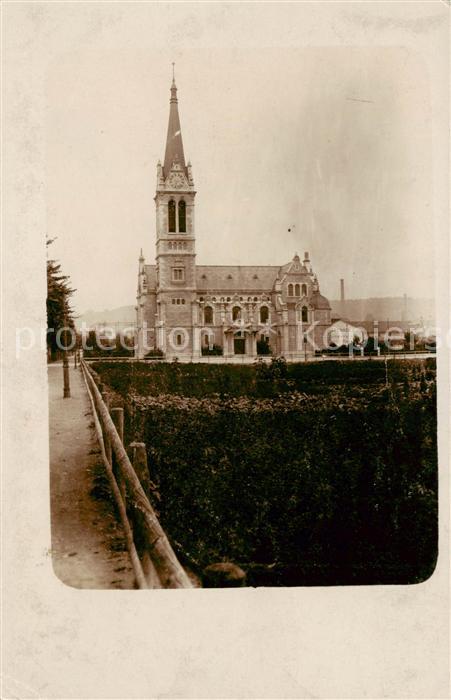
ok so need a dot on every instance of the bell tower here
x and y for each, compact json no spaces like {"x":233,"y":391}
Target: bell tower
{"x":175,"y":239}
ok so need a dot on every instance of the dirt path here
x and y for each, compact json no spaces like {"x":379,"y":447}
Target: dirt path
{"x":88,"y":547}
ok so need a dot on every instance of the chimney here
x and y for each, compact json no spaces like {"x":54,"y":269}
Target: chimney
{"x":342,"y":297}
{"x":404,"y":308}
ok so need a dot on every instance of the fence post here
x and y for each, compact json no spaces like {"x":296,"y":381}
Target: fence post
{"x":139,"y":460}
{"x":106,"y":398}
{"x":106,"y":439}
{"x":66,"y":381}
{"x":170,"y":572}
{"x":117,"y":415}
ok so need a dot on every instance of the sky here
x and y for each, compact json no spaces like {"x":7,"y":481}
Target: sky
{"x":332,"y":142}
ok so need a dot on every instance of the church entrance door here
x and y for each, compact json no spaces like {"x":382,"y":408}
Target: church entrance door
{"x":239,"y":346}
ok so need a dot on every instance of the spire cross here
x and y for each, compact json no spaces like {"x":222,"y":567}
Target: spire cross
{"x":173,"y":72}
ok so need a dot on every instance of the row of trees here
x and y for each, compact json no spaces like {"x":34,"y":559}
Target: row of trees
{"x":119,"y":346}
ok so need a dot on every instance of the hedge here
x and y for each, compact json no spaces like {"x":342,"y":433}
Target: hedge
{"x":331,"y":485}
{"x":258,"y":380}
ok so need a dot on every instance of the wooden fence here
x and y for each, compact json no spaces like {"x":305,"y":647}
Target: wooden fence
{"x":154,"y":562}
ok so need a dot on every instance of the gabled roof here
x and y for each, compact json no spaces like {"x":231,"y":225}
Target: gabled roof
{"x":236,"y":278}
{"x":295,"y":267}
{"x":372,"y":326}
{"x":345,"y":321}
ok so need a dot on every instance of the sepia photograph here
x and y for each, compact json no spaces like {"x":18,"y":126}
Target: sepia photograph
{"x":263,"y":411}
{"x":225,"y":369}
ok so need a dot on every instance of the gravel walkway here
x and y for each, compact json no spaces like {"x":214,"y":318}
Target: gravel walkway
{"x":88,"y":546}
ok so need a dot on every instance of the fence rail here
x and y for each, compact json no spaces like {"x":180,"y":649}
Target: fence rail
{"x":250,"y":359}
{"x":154,"y":562}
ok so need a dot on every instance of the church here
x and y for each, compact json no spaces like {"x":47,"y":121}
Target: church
{"x":186,"y":310}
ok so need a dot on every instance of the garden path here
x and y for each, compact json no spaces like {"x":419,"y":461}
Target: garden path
{"x":88,"y":546}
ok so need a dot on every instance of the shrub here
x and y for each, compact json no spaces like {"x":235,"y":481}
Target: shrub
{"x":118,"y":347}
{"x":214,"y":350}
{"x":154,"y":354}
{"x":324,"y":491}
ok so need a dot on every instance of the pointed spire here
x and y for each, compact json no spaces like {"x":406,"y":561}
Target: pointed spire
{"x":173,"y":86}
{"x":174,"y":144}
{"x":140,"y":267}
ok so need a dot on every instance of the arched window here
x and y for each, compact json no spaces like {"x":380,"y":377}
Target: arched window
{"x":208,"y":315}
{"x":178,"y":274}
{"x":236,"y":313}
{"x":178,"y":339}
{"x":304,"y":290}
{"x":171,"y":216}
{"x":297,"y":290}
{"x":182,"y":216}
{"x":264,"y":314}
{"x":304,"y":314}
{"x":290,"y":290}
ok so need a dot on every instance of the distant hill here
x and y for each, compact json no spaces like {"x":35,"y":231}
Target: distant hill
{"x":120,"y":317}
{"x":384,"y":308}
{"x":380,"y":308}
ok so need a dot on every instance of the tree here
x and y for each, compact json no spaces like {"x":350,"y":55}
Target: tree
{"x":120,"y":346}
{"x":59,"y":311}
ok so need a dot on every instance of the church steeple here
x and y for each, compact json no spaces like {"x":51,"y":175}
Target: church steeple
{"x":175,"y":244}
{"x":174,"y":144}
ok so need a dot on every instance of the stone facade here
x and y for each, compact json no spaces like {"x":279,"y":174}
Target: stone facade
{"x":184,"y":308}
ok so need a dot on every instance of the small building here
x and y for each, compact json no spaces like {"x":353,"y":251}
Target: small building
{"x":391,"y":333}
{"x":343,"y":332}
